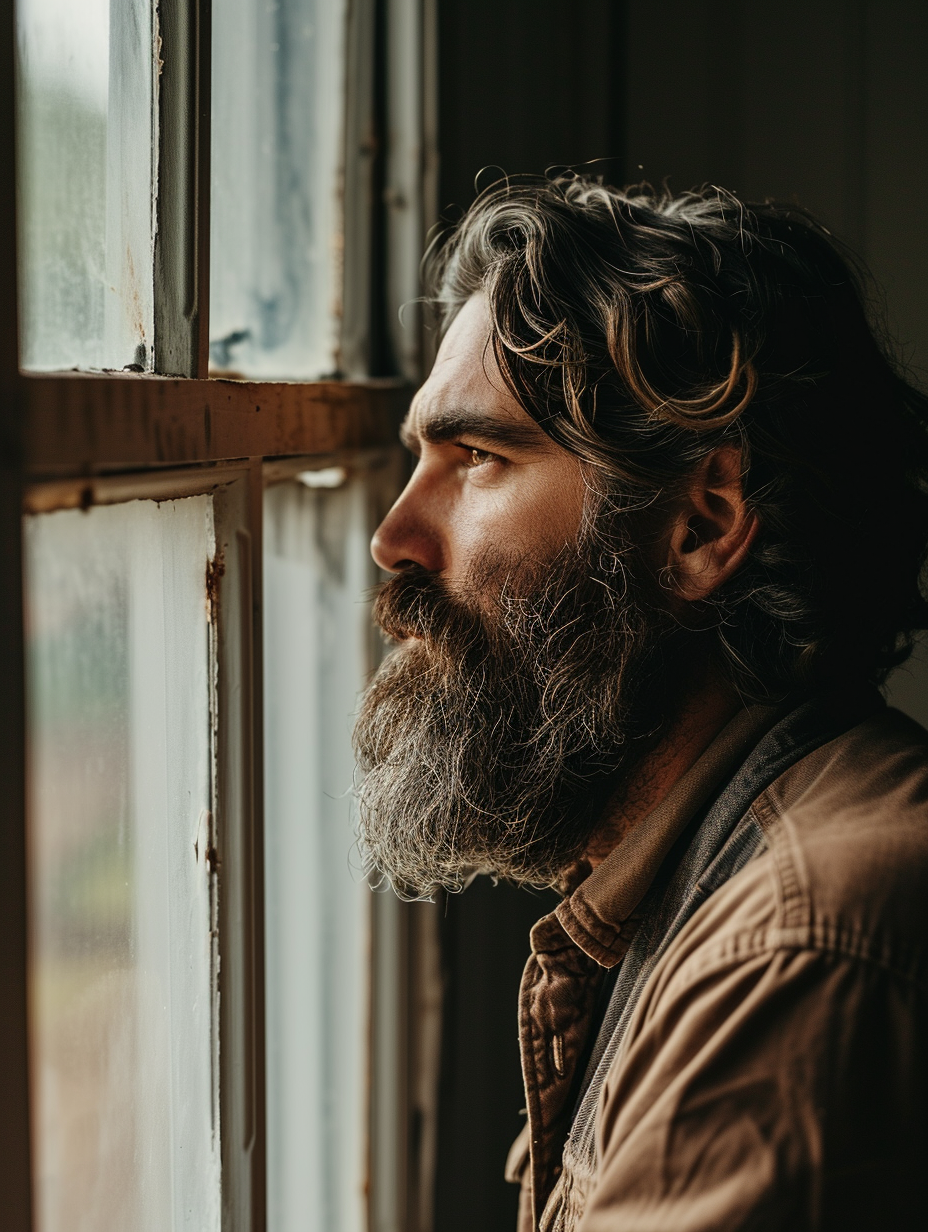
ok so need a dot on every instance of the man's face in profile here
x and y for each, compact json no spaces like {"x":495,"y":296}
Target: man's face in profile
{"x":488,"y":479}
{"x":532,"y":669}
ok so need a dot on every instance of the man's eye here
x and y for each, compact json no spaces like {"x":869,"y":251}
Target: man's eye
{"x":477,"y":457}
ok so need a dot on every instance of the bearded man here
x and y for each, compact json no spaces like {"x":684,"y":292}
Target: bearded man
{"x":661,"y":545}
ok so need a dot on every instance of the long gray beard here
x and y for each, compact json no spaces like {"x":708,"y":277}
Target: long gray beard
{"x":492,"y":742}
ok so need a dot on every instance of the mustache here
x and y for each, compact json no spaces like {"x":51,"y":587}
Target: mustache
{"x":415,"y":603}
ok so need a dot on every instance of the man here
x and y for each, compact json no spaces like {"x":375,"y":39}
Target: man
{"x":662,"y":541}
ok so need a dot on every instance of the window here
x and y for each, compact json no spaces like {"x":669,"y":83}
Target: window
{"x":316,"y":637}
{"x":87,"y":167}
{"x":123,"y":876}
{"x":275,"y":234}
{"x":200,"y":438}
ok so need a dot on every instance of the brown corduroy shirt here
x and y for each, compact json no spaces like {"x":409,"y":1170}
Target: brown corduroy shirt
{"x":763,"y":1061}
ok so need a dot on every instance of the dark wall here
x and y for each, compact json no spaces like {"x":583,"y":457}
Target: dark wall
{"x":525,"y":85}
{"x":825,"y":102}
{"x":485,"y":945}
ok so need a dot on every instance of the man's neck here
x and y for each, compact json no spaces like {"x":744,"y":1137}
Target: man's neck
{"x":699,"y":720}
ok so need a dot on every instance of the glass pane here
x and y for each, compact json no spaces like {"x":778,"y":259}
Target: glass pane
{"x":85,"y":142}
{"x":278,"y":84}
{"x":121,"y":970}
{"x":316,"y":638}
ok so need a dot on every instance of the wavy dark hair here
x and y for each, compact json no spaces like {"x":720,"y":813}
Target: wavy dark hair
{"x":643,"y":330}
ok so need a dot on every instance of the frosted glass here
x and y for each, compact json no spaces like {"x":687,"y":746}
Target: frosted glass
{"x":85,"y":155}
{"x":125,"y":1109}
{"x":277,"y":133}
{"x":317,"y":568}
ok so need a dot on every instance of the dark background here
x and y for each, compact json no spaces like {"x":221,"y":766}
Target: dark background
{"x":821,"y":101}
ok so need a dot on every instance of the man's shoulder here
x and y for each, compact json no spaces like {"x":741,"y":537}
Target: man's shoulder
{"x":742,"y":1061}
{"x":847,"y":835}
{"x":842,"y":877}
{"x":875,"y":770}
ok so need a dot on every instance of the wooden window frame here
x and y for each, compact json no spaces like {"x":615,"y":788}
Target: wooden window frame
{"x":73,"y":438}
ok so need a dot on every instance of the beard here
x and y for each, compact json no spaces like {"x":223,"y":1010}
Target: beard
{"x":515,"y":707}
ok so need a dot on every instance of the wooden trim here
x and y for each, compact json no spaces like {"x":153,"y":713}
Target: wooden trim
{"x":411,"y":182}
{"x":79,"y":425}
{"x":204,"y":105}
{"x":83,"y":492}
{"x":239,"y":845}
{"x":357,"y":345}
{"x":253,"y":593}
{"x":15,"y":1169}
{"x":182,"y":189}
{"x":15,"y":1152}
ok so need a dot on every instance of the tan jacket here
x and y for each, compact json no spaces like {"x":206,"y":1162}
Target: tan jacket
{"x":763,"y":1061}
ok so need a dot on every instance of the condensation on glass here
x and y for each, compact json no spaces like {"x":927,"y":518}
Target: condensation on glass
{"x":276,"y":232}
{"x":86,"y":183}
{"x":122,"y":955}
{"x":317,"y":630}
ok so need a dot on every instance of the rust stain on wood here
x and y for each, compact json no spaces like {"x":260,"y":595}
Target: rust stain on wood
{"x":215,"y":570}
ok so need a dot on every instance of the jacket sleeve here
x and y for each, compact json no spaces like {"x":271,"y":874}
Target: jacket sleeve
{"x":767,"y":1087}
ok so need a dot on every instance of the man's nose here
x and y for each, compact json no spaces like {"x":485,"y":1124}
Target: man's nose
{"x":409,"y":534}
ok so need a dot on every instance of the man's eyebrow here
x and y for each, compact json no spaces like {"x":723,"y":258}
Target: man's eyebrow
{"x":444,"y":426}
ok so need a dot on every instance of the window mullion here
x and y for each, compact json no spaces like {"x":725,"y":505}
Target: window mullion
{"x":411,"y":191}
{"x":362,"y":140}
{"x":238,"y":826}
{"x":15,"y":1170}
{"x":182,"y":68}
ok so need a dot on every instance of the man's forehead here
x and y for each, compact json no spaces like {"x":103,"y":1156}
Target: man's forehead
{"x":459,"y":401}
{"x":466,"y":352}
{"x":466,"y":387}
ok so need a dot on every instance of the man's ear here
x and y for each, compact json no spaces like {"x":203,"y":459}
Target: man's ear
{"x":712,"y":529}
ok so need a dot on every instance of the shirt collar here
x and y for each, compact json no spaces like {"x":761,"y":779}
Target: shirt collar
{"x":599,"y":916}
